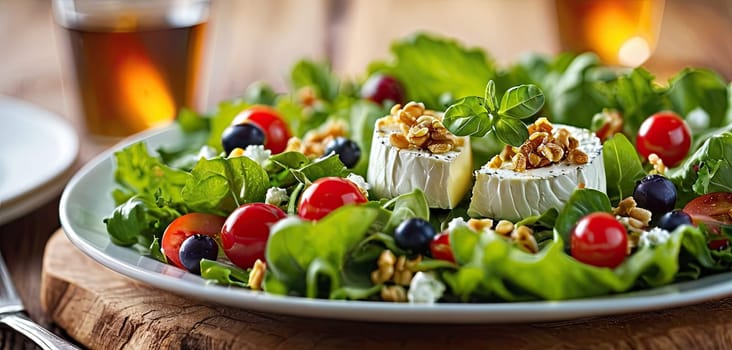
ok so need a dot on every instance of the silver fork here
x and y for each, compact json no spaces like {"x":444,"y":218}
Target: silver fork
{"x":12,"y":314}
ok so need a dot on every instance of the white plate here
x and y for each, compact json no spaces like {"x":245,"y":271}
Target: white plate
{"x":86,"y":201}
{"x":37,"y":148}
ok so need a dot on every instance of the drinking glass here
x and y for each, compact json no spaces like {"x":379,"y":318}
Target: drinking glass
{"x":137,"y":62}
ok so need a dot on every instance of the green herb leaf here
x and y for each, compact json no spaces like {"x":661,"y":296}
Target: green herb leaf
{"x":491,"y":101}
{"x":511,"y":131}
{"x":139,"y":220}
{"x":521,"y":102}
{"x":468,"y":117}
{"x":622,"y":167}
{"x":699,"y":88}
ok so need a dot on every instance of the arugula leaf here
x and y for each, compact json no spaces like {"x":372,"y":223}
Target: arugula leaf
{"x":224,"y":274}
{"x":521,"y":102}
{"x":468,"y":117}
{"x":430,"y":66}
{"x":622,"y":167}
{"x":220,"y":185}
{"x":708,"y":170}
{"x":582,"y":202}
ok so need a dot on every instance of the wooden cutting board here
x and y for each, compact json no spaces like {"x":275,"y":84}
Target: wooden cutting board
{"x":104,"y":310}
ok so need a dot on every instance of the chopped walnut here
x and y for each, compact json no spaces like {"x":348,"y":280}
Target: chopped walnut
{"x":392,"y":269}
{"x":612,"y":123}
{"x":524,"y":237}
{"x":418,"y":128}
{"x":315,"y":141}
{"x":634,"y":218}
{"x":394,"y":293}
{"x":544,"y":147}
{"x":480,"y":224}
{"x":657,"y":162}
{"x":256,"y":276}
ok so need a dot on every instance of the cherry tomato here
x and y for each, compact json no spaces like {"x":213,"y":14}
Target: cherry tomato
{"x":246,"y":231}
{"x":599,"y":239}
{"x":440,"y":247}
{"x":666,"y":135}
{"x":713,"y":210}
{"x":186,"y":226}
{"x":275,"y":129}
{"x":327,"y":194}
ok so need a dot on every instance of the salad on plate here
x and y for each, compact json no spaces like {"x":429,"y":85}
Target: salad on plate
{"x":441,"y":177}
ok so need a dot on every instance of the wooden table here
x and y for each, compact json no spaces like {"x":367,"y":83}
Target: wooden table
{"x":259,"y":40}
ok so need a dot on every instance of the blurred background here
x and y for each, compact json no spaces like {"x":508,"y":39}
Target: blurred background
{"x":252,"y":40}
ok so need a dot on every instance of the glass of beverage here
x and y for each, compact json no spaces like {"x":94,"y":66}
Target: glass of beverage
{"x":137,"y":61}
{"x":621,"y":32}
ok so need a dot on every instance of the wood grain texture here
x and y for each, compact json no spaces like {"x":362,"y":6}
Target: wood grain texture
{"x":105,"y":310}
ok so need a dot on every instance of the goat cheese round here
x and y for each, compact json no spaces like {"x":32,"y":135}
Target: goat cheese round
{"x":444,"y":178}
{"x":511,"y":195}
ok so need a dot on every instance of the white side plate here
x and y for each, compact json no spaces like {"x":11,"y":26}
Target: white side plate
{"x":37,"y":148}
{"x":86,"y":201}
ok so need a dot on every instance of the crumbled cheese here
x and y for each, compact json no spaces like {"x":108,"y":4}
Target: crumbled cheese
{"x":257,"y":153}
{"x":360,"y":182}
{"x":207,"y":152}
{"x":425,"y":289}
{"x":456,"y":223}
{"x":276,"y":196}
{"x":656,"y":236}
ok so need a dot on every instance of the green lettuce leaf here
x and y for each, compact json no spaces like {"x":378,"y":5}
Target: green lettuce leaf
{"x":293,"y":248}
{"x":139,"y":221}
{"x":499,"y":271}
{"x":622,"y":167}
{"x":430,"y":67}
{"x":708,"y":170}
{"x":138,"y":171}
{"x":220,"y":185}
{"x":224,"y":274}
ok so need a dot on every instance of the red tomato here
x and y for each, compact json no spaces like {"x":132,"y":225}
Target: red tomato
{"x":186,"y":226}
{"x":440,"y":247}
{"x":246,"y":231}
{"x":327,"y":194}
{"x":599,"y":239}
{"x":713,"y":210}
{"x":266,"y":118}
{"x":666,"y":135}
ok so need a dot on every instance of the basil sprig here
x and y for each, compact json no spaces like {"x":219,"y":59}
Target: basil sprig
{"x":476,"y":116}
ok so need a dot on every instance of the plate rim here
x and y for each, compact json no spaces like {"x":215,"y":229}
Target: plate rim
{"x":52,"y":183}
{"x":374,"y":311}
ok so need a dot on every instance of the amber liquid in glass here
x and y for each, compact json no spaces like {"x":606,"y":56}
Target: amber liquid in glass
{"x":621,"y":32}
{"x":133,"y":80}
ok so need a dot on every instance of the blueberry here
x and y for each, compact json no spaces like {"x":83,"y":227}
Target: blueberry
{"x":347,"y":150}
{"x":655,"y":193}
{"x":195,"y":248}
{"x":414,"y":234}
{"x":241,"y":136}
{"x":673,"y":219}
